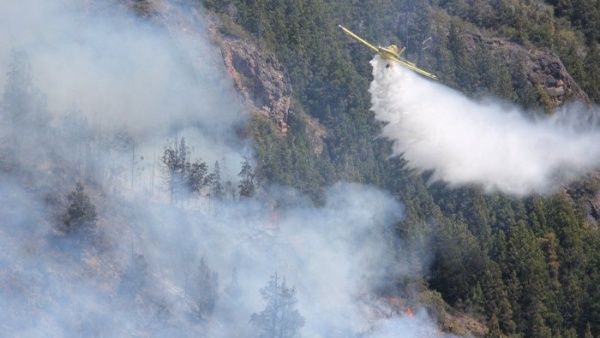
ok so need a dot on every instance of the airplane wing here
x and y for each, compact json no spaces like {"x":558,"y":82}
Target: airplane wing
{"x":359,"y":39}
{"x":414,"y":68}
{"x":402,"y":62}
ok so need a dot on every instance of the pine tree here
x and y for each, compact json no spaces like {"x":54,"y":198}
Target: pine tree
{"x":217,"y":191}
{"x":496,"y":297}
{"x":592,"y":309}
{"x":175,"y":162}
{"x":588,"y":331}
{"x":279,"y":319}
{"x":80,"y":213}
{"x":465,"y":70}
{"x":196,"y":177}
{"x":562,"y":217}
{"x":591,"y":85}
{"x":204,"y":290}
{"x":494,"y":328}
{"x":247,"y":186}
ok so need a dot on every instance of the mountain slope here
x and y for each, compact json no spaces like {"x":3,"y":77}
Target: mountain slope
{"x":506,"y":49}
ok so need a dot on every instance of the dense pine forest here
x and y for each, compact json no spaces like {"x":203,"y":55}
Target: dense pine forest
{"x":527,"y":266}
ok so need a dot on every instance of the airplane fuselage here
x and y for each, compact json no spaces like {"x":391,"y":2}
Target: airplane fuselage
{"x":387,"y":53}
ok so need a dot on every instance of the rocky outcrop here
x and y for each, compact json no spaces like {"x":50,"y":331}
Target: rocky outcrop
{"x":586,"y":195}
{"x":257,"y":76}
{"x":544,"y":71}
{"x":315,"y":133}
{"x":260,"y":80}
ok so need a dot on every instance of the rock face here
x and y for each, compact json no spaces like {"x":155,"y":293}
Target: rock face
{"x":257,"y":76}
{"x":260,"y":80}
{"x":544,"y":70}
{"x":586,"y":195}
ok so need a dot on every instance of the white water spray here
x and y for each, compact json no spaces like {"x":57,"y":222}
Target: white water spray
{"x":482,"y":142}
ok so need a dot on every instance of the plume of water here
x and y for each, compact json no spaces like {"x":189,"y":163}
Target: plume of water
{"x":485,"y":142}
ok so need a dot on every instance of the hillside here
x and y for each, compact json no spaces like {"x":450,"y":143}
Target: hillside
{"x":182,"y":165}
{"x":480,"y":264}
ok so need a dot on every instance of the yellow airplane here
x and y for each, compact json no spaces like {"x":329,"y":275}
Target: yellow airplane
{"x":392,"y":52}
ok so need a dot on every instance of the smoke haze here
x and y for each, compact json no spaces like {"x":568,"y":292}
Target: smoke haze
{"x":92,"y":93}
{"x":120,"y":71}
{"x":480,"y":142}
{"x":139,"y":277}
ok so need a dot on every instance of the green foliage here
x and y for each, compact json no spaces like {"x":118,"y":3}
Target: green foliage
{"x":80,"y":213}
{"x":529,"y":266}
{"x":464,"y":70}
{"x":570,"y":28}
{"x":247,"y":185}
{"x":291,"y":160}
{"x":184,"y":176}
{"x":279,"y":319}
{"x":205,"y":290}
{"x":217,"y":190}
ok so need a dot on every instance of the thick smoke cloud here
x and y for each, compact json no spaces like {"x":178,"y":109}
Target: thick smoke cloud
{"x":120,"y":73}
{"x":98,"y":92}
{"x":137,"y":276}
{"x":116,"y":69}
{"x":483,"y":142}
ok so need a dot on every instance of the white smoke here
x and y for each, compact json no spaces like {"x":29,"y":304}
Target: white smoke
{"x":135,"y":276}
{"x":483,"y":142}
{"x":112,"y":73}
{"x":59,"y":286}
{"x":120,"y":72}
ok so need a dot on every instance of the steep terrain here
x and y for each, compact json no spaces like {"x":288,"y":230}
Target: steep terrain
{"x":258,"y":77}
{"x":544,"y":71}
{"x":160,"y":242}
{"x":478,"y":265}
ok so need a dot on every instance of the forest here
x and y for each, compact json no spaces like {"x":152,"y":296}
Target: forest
{"x":528,"y":266}
{"x":193,"y":218}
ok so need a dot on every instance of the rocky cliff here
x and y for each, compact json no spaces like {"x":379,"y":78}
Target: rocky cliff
{"x":257,"y":75}
{"x":260,"y":80}
{"x":544,"y":70}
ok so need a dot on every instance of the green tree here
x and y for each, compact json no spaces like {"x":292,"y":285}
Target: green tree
{"x":588,"y":331}
{"x":80,"y":213}
{"x":184,"y":176}
{"x":464,"y":67}
{"x":175,"y":163}
{"x":458,"y":262}
{"x":496,"y":296}
{"x":563,"y":219}
{"x":247,"y":186}
{"x":279,"y":319}
{"x":530,"y":258}
{"x":197,"y":177}
{"x":217,"y":190}
{"x":204,"y":289}
{"x":591,"y":80}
